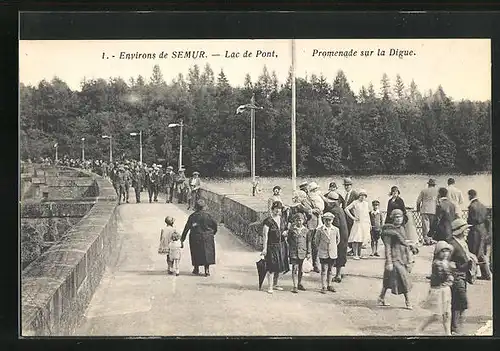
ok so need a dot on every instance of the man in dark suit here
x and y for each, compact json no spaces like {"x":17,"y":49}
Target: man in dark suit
{"x":476,"y":240}
{"x":169,"y":184}
{"x":445,"y":214}
{"x":350,"y":196}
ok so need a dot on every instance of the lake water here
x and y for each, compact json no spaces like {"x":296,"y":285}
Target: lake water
{"x":377,"y":187}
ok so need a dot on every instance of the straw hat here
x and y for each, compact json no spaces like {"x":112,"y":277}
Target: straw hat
{"x":332,"y":195}
{"x":303,"y":185}
{"x":362,"y":192}
{"x":313,"y":186}
{"x":458,"y":226}
{"x":442,"y":245}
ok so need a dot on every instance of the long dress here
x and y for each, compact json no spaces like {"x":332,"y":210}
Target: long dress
{"x":277,"y":252}
{"x":202,"y":229}
{"x":340,"y":222}
{"x":398,"y":254}
{"x":360,"y":231}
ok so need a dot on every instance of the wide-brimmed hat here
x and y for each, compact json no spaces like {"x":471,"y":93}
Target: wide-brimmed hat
{"x":196,"y":173}
{"x":431,"y":182}
{"x":362,"y":192}
{"x":397,"y":213}
{"x":313,"y":186}
{"x":347,"y":181}
{"x":303,"y":185}
{"x":170,"y":167}
{"x":332,"y":195}
{"x":328,"y":215}
{"x":442,"y":245}
{"x":458,"y":226}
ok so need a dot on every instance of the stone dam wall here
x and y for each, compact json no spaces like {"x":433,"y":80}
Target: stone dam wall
{"x":57,"y":287}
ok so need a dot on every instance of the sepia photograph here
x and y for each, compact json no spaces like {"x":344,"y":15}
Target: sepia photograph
{"x":256,"y":187}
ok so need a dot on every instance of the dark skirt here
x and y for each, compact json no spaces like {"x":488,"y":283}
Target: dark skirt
{"x":398,"y":280}
{"x":459,"y":294}
{"x":277,"y":258}
{"x":327,"y":261}
{"x":296,"y":261}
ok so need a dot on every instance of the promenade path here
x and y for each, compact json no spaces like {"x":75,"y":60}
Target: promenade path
{"x":137,"y":298}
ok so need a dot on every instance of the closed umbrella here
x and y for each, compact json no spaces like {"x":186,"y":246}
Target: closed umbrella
{"x":261,"y":271}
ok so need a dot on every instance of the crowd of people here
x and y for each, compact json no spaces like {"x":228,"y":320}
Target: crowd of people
{"x":327,"y":227}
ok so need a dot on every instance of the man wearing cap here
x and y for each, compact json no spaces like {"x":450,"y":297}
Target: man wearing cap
{"x":476,"y":240}
{"x":128,"y":181}
{"x":318,"y":206}
{"x":180,"y":185}
{"x":426,"y":206}
{"x":137,"y":182}
{"x":333,"y":205}
{"x":462,"y":260}
{"x":350,"y":196}
{"x":194,"y":187}
{"x":152,"y":180}
{"x":455,"y":196}
{"x":169,"y":184}
{"x":445,"y":214}
{"x":121,"y":179}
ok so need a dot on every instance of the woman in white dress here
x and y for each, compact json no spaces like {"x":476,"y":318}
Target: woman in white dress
{"x":359,"y":212}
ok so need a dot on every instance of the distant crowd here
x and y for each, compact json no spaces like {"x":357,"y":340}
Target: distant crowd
{"x":126,"y":174}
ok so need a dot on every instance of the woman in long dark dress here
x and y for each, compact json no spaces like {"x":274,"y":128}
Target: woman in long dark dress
{"x":397,"y":259}
{"x":395,"y":202}
{"x":202,"y":229}
{"x":461,"y":260}
{"x":275,"y":249}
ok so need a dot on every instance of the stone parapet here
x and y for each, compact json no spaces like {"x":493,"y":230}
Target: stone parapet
{"x":57,"y":287}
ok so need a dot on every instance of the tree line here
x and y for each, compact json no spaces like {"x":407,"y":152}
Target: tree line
{"x":395,"y":130}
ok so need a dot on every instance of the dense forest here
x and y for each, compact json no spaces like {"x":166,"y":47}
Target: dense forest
{"x":395,"y":130}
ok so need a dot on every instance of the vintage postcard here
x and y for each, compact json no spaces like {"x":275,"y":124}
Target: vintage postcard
{"x":291,"y":187}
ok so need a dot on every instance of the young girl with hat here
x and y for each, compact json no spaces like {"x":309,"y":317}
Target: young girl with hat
{"x":439,"y":299}
{"x":326,"y":238}
{"x":299,"y":246}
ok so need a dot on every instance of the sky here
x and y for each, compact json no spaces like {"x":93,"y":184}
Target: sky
{"x":461,"y":66}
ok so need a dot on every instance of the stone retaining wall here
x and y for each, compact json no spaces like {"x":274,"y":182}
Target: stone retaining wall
{"x":57,"y":287}
{"x":241,"y":214}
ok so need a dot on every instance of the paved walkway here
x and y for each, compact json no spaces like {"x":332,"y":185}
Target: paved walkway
{"x":137,"y":298}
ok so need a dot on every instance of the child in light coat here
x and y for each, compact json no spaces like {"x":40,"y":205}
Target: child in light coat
{"x":165,"y":238}
{"x":326,"y":238}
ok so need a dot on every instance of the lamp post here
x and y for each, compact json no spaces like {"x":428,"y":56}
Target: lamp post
{"x":252,"y":108}
{"x":56,"y":145}
{"x":110,"y":146}
{"x":294,"y":140}
{"x":83,"y":149}
{"x":140,"y":144}
{"x":180,"y":125}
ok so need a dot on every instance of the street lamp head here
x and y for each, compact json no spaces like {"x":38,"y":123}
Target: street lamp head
{"x":134,"y":134}
{"x":172,"y":125}
{"x":83,"y":139}
{"x":106,"y":137}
